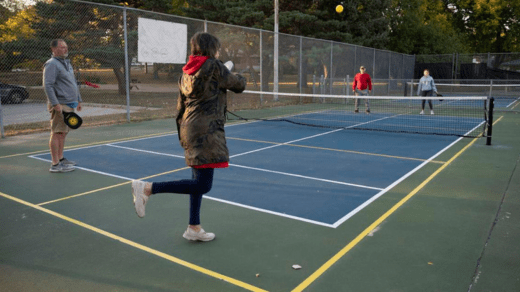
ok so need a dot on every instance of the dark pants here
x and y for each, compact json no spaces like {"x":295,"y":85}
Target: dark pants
{"x":199,"y":184}
{"x":427,"y":93}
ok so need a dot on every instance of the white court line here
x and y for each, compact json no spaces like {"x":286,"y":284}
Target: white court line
{"x":376,"y":196}
{"x":269,"y":212}
{"x":308,"y":177}
{"x":145,"y":151}
{"x":512,"y":102}
{"x":310,"y":137}
{"x":335,"y":225}
{"x":259,"y":169}
{"x":87,"y":169}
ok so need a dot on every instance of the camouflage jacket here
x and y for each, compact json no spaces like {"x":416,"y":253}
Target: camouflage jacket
{"x":202,"y":108}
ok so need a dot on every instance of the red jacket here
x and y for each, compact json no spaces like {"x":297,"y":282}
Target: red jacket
{"x":362,"y":81}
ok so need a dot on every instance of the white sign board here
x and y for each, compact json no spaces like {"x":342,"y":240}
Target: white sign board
{"x":161,"y":41}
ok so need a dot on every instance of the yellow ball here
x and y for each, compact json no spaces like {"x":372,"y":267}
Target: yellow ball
{"x":339,"y":8}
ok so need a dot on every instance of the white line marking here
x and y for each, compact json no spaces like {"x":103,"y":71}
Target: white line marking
{"x":145,"y":151}
{"x":510,"y":103}
{"x":376,"y":196}
{"x":258,"y":169}
{"x":308,"y":177}
{"x":310,"y":137}
{"x":88,"y":169}
{"x":269,"y":212}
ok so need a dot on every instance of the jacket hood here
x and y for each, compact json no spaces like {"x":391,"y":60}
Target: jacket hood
{"x":194,"y":64}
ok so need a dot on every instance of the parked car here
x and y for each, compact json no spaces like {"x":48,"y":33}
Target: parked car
{"x":12,"y":93}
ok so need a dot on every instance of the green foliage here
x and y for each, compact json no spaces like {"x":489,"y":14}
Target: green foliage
{"x":423,"y":27}
{"x":490,"y":25}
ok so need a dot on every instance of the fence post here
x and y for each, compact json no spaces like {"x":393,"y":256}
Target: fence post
{"x":301,"y":66}
{"x":348,"y":84}
{"x":330,"y":73}
{"x":313,"y":84}
{"x":127,"y":71}
{"x":1,"y":121}
{"x":261,"y":70}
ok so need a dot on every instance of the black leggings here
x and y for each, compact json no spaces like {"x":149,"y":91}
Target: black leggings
{"x":201,"y":182}
{"x":427,"y":93}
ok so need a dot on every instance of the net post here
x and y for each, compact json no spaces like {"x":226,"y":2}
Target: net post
{"x":490,"y":120}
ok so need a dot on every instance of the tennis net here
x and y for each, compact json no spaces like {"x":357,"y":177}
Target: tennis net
{"x":454,"y":116}
{"x":506,"y":95}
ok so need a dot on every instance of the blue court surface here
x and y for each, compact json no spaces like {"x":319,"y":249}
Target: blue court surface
{"x":320,"y":176}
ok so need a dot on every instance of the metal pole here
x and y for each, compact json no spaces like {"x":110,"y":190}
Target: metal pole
{"x":261,"y":68}
{"x":453,"y":68}
{"x":390,"y":71}
{"x":1,"y":121}
{"x":276,"y":7}
{"x":373,"y":70}
{"x":348,"y":85}
{"x":205,"y":25}
{"x":330,"y":69}
{"x":301,"y":66}
{"x":127,"y":71}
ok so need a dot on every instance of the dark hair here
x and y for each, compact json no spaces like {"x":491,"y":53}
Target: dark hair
{"x":204,"y":44}
{"x":55,"y":42}
{"x":426,"y":69}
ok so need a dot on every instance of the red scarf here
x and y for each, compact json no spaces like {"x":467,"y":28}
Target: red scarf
{"x":194,"y":64}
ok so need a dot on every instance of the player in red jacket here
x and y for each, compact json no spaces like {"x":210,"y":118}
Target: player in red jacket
{"x":362,"y":86}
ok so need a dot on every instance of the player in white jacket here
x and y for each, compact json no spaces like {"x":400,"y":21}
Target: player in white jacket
{"x":426,"y":88}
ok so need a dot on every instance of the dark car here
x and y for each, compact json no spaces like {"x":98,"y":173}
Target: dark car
{"x":12,"y":93}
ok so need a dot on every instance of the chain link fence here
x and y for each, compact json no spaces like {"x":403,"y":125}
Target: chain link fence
{"x":497,"y":66}
{"x":117,"y":88}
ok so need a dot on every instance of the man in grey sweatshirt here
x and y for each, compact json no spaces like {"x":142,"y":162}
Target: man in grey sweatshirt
{"x":63,"y":96}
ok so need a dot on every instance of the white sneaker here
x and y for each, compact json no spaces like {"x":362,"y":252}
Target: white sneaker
{"x":140,"y":198}
{"x":422,"y":112}
{"x":191,"y":234}
{"x":431,"y":112}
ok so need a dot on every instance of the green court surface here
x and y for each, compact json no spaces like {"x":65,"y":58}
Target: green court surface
{"x":452,"y":225}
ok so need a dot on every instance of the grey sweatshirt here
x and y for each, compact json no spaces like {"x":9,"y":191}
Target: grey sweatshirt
{"x":59,"y":82}
{"x":425,"y":84}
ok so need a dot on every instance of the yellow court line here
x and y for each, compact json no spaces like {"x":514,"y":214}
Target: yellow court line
{"x":340,"y":150}
{"x":139,"y":246}
{"x":89,"y":144}
{"x":109,"y":187}
{"x":380,"y":220}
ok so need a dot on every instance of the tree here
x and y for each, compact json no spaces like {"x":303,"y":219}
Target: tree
{"x":423,"y":27}
{"x":490,"y":25}
{"x":16,"y":30}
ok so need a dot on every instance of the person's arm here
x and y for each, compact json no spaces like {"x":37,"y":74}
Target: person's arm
{"x":354,"y":83}
{"x":50,"y":71}
{"x":234,"y":82}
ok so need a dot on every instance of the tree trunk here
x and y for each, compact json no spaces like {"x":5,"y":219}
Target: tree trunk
{"x":121,"y":82}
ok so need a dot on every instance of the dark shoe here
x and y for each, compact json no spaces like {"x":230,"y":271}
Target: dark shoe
{"x":65,"y":161}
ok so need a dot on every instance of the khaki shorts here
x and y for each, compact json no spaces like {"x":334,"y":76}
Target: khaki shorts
{"x":57,"y":121}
